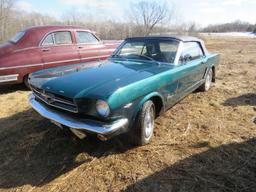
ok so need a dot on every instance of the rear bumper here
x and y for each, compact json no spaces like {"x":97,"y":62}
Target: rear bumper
{"x":86,"y":125}
{"x":8,"y":78}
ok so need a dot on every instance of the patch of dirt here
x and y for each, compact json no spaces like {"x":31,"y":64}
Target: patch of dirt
{"x":207,"y":142}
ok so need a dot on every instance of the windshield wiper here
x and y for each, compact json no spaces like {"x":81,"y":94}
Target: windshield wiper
{"x":147,"y":57}
{"x":118,"y":57}
{"x":136,"y":55}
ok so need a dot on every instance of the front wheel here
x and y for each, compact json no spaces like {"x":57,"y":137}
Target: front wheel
{"x":208,"y":82}
{"x":142,"y":132}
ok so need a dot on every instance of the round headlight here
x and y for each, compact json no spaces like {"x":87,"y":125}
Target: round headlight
{"x":102,"y":108}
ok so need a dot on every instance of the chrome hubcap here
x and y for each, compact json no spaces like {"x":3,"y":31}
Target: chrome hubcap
{"x":149,"y":122}
{"x":208,"y":80}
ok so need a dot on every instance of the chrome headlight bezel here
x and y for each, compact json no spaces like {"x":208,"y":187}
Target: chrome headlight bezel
{"x":102,"y":108}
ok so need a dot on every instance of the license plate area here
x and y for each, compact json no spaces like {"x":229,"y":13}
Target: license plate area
{"x":57,"y":124}
{"x":78,"y":133}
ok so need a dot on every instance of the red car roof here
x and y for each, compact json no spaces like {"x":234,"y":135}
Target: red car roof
{"x":34,"y":35}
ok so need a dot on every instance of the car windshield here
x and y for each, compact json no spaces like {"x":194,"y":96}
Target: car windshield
{"x":17,"y":37}
{"x":152,"y":50}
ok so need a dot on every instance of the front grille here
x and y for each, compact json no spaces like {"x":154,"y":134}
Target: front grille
{"x":55,"y":100}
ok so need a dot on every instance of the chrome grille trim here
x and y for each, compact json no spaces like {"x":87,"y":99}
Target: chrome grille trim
{"x":55,"y":101}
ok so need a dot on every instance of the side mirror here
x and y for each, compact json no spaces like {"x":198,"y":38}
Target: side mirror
{"x":186,"y":58}
{"x":181,"y":59}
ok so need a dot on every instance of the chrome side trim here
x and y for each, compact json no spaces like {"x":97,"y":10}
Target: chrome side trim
{"x":77,"y":123}
{"x":63,"y":61}
{"x":96,"y":51}
{"x":195,"y":85}
{"x":16,"y":67}
{"x":106,"y":50}
{"x":54,"y":62}
{"x":24,"y":49}
{"x":8,"y":78}
{"x":95,"y":57}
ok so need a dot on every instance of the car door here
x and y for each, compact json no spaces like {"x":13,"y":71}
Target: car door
{"x":58,"y":49}
{"x":192,"y":67}
{"x":89,"y":46}
{"x":167,"y":54}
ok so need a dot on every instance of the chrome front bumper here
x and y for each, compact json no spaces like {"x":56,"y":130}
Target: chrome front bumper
{"x":86,"y":125}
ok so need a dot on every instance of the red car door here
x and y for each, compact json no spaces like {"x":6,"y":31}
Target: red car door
{"x":89,"y":46}
{"x":58,"y":49}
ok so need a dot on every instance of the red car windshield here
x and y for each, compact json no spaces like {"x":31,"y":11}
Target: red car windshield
{"x":17,"y":37}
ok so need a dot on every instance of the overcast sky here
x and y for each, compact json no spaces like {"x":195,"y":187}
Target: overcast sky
{"x":202,"y":12}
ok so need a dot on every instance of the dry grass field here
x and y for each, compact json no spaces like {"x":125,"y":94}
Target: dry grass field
{"x":207,"y":142}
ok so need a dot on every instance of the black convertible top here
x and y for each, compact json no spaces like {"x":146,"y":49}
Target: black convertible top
{"x":176,"y":37}
{"x":179,"y":38}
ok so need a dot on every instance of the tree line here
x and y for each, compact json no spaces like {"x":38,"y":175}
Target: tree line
{"x":144,"y":18}
{"x":236,"y":26}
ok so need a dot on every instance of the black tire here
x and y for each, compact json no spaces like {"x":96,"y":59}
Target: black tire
{"x":25,"y":81}
{"x":142,"y":131}
{"x":208,"y":81}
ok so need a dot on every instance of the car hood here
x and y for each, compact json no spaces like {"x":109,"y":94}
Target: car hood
{"x":95,"y":82}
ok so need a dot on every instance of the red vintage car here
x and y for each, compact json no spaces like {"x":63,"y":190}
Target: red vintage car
{"x":45,"y":47}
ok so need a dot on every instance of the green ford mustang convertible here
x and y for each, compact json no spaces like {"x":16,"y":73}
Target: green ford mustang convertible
{"x":143,"y":78}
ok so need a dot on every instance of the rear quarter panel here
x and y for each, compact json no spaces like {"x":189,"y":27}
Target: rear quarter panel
{"x":22,"y":62}
{"x":213,"y":59}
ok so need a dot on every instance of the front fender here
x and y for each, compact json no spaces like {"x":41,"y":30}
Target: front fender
{"x":144,"y":99}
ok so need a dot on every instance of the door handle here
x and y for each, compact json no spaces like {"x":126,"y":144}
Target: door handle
{"x":46,"y":50}
{"x":80,"y":47}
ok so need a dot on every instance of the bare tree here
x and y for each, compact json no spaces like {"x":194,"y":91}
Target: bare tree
{"x":5,"y":8}
{"x":148,"y":14}
{"x":5,"y":12}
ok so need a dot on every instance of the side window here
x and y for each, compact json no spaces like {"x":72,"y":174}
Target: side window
{"x":58,"y":38}
{"x":137,"y":48}
{"x":63,"y":37}
{"x":18,"y":37}
{"x":168,"y":51}
{"x":86,"y":37}
{"x":191,"y":51}
{"x":48,"y":40}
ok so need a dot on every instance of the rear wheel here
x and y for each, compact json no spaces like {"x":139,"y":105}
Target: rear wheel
{"x":25,"y":81}
{"x":208,"y":81}
{"x":142,"y":132}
